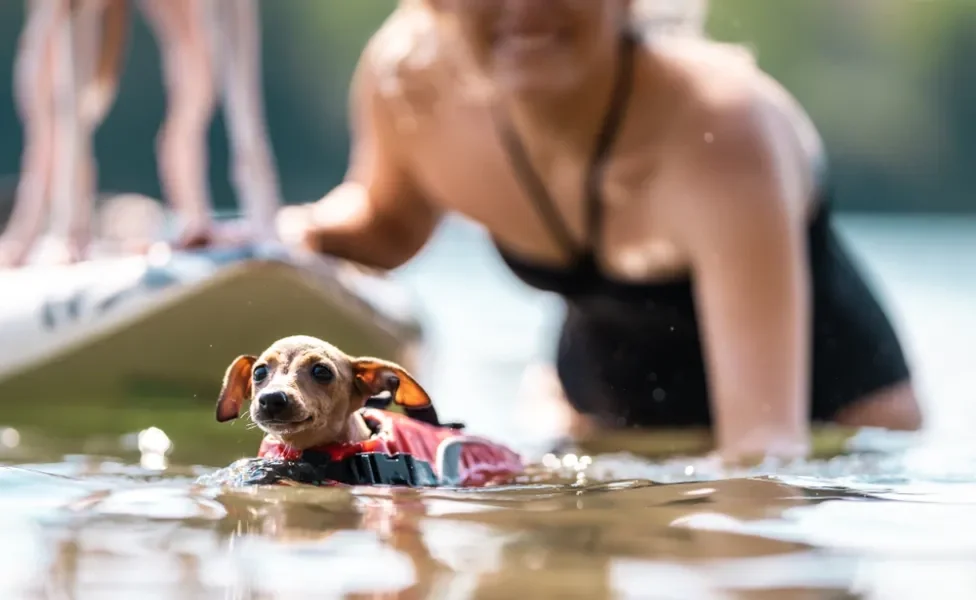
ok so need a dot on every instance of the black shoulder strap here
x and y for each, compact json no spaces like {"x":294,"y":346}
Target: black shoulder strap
{"x":604,"y":144}
{"x":534,"y":185}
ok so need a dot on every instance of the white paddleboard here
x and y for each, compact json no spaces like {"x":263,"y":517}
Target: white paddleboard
{"x":168,"y":324}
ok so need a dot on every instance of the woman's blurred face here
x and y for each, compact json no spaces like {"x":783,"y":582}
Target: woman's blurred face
{"x":538,"y":45}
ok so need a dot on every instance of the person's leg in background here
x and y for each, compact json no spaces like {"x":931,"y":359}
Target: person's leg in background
{"x":33,"y":89}
{"x":236,"y":30}
{"x":188,"y":74}
{"x":90,"y":44}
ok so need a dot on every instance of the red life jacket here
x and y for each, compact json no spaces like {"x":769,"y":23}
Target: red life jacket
{"x":407,"y":451}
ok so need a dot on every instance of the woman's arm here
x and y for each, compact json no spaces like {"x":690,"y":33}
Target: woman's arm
{"x":743,"y":224}
{"x":377,"y":216}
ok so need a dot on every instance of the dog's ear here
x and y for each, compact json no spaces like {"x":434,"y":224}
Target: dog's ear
{"x":375,"y":376}
{"x":236,"y":388}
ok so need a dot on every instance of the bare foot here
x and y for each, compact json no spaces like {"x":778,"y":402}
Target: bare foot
{"x":14,"y":251}
{"x":66,"y":251}
{"x":194,"y":236}
{"x":226,"y":234}
{"x":292,"y":224}
{"x":190,"y":237}
{"x":18,"y":239}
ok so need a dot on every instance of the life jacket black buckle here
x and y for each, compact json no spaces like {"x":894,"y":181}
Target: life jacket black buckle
{"x":424,"y":414}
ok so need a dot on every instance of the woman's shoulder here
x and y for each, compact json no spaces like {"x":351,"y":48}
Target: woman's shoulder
{"x":719,"y":79}
{"x":723,"y":89}
{"x":405,"y":60}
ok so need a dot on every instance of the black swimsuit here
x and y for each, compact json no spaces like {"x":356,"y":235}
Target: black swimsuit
{"x":630,"y":354}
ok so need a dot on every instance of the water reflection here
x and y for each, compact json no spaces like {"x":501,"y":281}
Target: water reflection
{"x":90,"y":527}
{"x":131,"y":519}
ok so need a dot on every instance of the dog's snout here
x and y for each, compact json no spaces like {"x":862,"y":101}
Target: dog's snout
{"x":272,"y":403}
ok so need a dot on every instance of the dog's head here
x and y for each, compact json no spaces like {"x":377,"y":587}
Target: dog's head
{"x":304,"y":390}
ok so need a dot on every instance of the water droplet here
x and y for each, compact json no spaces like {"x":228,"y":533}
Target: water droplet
{"x":154,"y":440}
{"x":550,"y":461}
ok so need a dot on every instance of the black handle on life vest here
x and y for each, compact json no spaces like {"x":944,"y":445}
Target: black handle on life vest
{"x":426,"y":414}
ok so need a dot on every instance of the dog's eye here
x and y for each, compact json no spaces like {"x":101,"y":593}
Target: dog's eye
{"x":260,"y":373}
{"x":322,"y":373}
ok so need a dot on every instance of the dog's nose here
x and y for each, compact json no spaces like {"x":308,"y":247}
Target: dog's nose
{"x":272,"y":403}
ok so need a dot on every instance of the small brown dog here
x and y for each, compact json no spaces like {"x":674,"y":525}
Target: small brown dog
{"x":305,"y":392}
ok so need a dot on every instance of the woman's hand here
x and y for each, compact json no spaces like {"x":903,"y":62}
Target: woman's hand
{"x":378,"y":216}
{"x":292,"y":223}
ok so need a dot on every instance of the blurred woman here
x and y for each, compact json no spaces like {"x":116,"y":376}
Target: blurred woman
{"x":670,"y":191}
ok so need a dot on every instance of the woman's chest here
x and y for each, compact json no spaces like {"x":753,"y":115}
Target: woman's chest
{"x":541,"y":205}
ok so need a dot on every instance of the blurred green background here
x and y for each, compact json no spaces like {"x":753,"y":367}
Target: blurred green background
{"x":889,"y":83}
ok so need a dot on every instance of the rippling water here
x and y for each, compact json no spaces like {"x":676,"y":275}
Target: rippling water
{"x":873,"y":525}
{"x":113,"y":501}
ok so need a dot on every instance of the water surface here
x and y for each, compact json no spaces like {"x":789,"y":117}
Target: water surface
{"x":132,"y":524}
